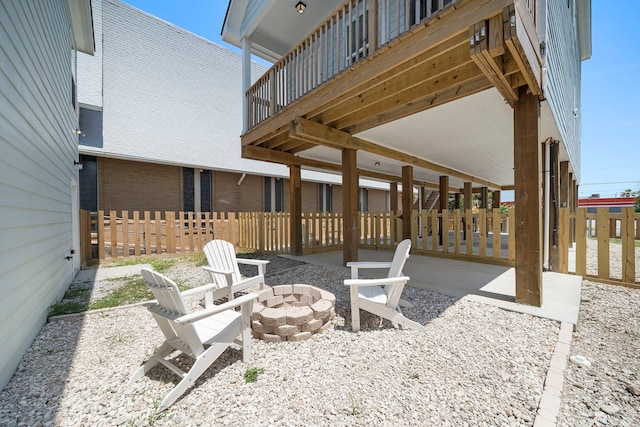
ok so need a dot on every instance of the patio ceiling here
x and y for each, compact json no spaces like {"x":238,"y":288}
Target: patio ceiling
{"x":473,"y":134}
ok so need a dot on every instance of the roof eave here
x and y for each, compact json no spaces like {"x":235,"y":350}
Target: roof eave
{"x":82,"y":25}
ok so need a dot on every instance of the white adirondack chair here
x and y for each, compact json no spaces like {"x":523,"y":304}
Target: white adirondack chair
{"x":202,"y":334}
{"x":381,"y":296}
{"x":223,"y":268}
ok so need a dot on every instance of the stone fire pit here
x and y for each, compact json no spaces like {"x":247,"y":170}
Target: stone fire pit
{"x":291,"y":312}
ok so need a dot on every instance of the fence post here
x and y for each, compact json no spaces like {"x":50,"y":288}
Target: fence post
{"x":563,"y":244}
{"x":113,"y":227}
{"x":511,"y":220}
{"x":147,"y":232}
{"x":101,"y":242}
{"x":602,"y":225}
{"x":581,"y":241}
{"x":482,"y":232}
{"x":628,"y":246}
{"x":497,"y":237}
{"x":136,"y":233}
{"x":125,"y":234}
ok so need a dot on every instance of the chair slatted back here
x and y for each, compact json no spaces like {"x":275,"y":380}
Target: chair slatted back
{"x":222,"y":255}
{"x":171,"y":306}
{"x":399,"y":259}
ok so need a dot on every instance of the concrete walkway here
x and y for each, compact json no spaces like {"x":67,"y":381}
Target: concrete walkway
{"x":97,"y":274}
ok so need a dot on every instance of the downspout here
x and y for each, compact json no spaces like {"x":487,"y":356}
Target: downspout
{"x":554,"y":196}
{"x":244,"y":175}
{"x":547,"y":187}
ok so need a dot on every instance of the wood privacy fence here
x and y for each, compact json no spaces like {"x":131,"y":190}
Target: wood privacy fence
{"x":484,"y":236}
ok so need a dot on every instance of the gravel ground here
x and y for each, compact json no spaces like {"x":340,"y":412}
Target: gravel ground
{"x":608,"y":392}
{"x":475,"y":365}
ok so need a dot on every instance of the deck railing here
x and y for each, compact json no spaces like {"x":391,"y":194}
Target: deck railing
{"x":351,"y":34}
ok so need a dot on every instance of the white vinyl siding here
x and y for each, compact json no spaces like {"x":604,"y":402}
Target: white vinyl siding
{"x":38,"y":145}
{"x":562,"y":88}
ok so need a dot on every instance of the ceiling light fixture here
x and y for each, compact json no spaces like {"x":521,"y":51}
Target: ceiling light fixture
{"x":300,"y":7}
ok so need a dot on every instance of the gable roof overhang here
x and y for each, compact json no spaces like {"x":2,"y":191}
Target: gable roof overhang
{"x":584,"y":28}
{"x":82,"y":25}
{"x":263,"y":21}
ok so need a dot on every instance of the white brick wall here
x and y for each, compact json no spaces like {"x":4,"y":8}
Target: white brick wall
{"x":168,"y":95}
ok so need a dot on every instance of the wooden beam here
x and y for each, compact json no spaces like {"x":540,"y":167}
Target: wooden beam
{"x":349,"y":206}
{"x":521,"y":45}
{"x":463,"y":81}
{"x":381,"y":80}
{"x":492,"y":67}
{"x":528,"y":214}
{"x":423,"y":77}
{"x":407,"y":200}
{"x":295,"y":209}
{"x":316,"y":132}
{"x":274,"y":156}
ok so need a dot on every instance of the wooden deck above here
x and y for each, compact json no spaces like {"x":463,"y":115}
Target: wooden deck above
{"x":304,"y":104}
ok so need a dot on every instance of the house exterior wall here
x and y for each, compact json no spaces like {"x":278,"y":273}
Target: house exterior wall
{"x":39,"y":145}
{"x":155,"y":93}
{"x":563,"y":75}
{"x":138,"y":186}
{"x":377,"y":200}
{"x":228,"y":196}
{"x":168,"y":96}
{"x":309,"y":196}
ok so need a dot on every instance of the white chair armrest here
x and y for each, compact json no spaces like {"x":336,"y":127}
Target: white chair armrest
{"x":356,"y":265}
{"x":202,"y":314}
{"x":261,"y":263}
{"x":377,"y":282}
{"x":365,"y":264}
{"x":199,"y":290}
{"x":252,"y":261}
{"x":213,"y":270}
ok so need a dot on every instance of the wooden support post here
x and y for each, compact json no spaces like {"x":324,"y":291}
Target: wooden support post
{"x":495,"y":207}
{"x":393,"y":196}
{"x":528,"y":214}
{"x":393,"y":208}
{"x":495,"y":200}
{"x":484,"y":197}
{"x":457,"y":197}
{"x":484,"y":204}
{"x":444,"y":204}
{"x":468,"y":205}
{"x":295,"y":202}
{"x":407,"y":201}
{"x":349,"y":205}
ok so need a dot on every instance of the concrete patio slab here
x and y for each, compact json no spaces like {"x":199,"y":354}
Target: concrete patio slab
{"x":489,"y":284}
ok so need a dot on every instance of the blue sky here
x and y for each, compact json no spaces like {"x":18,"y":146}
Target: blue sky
{"x":610,"y":95}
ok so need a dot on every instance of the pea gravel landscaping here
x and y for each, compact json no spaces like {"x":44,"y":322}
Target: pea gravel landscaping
{"x":476,"y":365}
